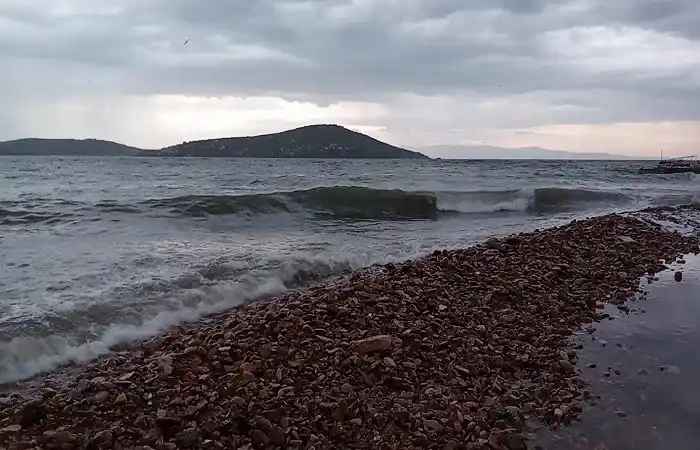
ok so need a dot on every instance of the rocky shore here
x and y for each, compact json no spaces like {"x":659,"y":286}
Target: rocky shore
{"x":462,"y":349}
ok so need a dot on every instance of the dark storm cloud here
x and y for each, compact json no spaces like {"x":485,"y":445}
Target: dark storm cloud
{"x":330,"y":50}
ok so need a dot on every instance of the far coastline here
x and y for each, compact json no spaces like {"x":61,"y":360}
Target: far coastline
{"x":313,"y":141}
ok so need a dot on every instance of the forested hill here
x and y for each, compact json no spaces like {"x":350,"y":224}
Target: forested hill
{"x":313,"y":141}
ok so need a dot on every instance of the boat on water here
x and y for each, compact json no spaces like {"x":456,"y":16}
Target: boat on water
{"x":683,"y":164}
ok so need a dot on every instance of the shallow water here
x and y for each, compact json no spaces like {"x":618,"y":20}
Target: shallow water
{"x":99,"y":251}
{"x":647,"y":372}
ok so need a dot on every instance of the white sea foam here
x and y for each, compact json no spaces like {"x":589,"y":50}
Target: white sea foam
{"x":24,"y":357}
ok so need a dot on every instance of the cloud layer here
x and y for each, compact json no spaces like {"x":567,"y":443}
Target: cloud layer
{"x":416,"y":72}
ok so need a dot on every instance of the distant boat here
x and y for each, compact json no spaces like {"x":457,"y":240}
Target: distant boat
{"x":683,"y":164}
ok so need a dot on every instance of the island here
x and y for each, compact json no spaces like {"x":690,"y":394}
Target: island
{"x":312,"y":141}
{"x":68,"y":147}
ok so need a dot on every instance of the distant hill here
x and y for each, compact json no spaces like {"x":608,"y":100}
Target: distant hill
{"x":67,"y":147}
{"x":313,"y":141}
{"x":493,"y":152}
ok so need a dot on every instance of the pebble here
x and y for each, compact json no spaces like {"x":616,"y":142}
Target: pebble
{"x":101,"y":397}
{"x":10,"y":429}
{"x":238,"y":401}
{"x":432,"y":425}
{"x":416,"y":354}
{"x":64,"y":437}
{"x":567,"y":366}
{"x":373,"y":344}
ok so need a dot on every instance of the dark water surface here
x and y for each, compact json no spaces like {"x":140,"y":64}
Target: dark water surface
{"x":647,"y":372}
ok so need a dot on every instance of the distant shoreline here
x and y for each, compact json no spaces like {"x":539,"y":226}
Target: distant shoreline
{"x":313,"y":142}
{"x":436,"y":159}
{"x":310,"y":142}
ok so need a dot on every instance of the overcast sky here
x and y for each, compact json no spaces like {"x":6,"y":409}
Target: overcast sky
{"x":620,"y":76}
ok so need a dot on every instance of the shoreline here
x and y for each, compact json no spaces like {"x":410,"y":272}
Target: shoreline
{"x":642,"y":368}
{"x":459,"y":349}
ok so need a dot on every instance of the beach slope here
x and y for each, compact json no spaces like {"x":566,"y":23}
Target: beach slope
{"x":461,"y":349}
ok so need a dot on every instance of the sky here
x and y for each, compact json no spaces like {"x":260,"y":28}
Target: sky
{"x":618,"y":76}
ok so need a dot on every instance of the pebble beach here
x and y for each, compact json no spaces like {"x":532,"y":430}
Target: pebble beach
{"x":461,"y":349}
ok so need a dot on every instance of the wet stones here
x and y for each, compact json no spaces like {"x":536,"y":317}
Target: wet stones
{"x":514,"y":417}
{"x":121,"y":399}
{"x":31,"y":414}
{"x":187,"y":438}
{"x":373,"y":344}
{"x":566,"y":366}
{"x":101,"y":397}
{"x":9,"y":432}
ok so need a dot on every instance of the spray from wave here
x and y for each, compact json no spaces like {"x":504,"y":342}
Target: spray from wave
{"x":540,"y":200}
{"x":24,"y":357}
{"x":142,"y":311}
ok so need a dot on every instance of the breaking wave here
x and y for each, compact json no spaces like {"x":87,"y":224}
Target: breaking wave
{"x":368,"y":203}
{"x":350,"y":202}
{"x":140,"y":311}
{"x":339,"y":202}
{"x":540,"y":200}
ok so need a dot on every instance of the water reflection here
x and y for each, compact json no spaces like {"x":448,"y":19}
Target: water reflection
{"x":646,"y":369}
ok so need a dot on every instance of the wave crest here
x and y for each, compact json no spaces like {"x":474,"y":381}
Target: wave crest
{"x":349,"y":203}
{"x":368,"y":203}
{"x":540,"y":200}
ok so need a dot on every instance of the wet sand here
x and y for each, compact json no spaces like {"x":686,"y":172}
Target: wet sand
{"x":645,"y":368}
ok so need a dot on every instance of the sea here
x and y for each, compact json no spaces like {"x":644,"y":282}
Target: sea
{"x":97,"y":252}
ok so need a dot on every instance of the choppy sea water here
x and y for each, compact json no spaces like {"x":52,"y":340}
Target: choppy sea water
{"x":99,"y":251}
